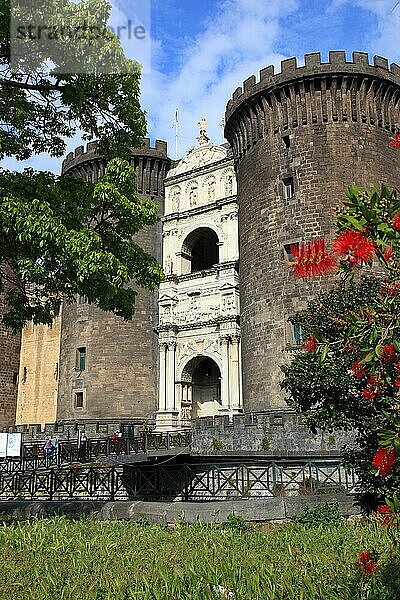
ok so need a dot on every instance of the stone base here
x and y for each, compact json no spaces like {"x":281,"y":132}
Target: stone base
{"x":166,"y":420}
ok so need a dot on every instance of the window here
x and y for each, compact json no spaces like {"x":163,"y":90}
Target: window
{"x":288,"y":255}
{"x":286,"y":141}
{"x":78,"y":399}
{"x":15,"y":377}
{"x":288,"y":187}
{"x":81,"y":359}
{"x":297,"y":335}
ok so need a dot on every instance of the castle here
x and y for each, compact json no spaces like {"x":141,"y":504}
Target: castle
{"x":198,"y":347}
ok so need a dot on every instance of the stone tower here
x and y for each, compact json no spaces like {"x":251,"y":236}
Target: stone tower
{"x":299,"y":138}
{"x":108,"y":367}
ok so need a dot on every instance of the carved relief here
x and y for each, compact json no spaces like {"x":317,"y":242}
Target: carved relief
{"x":198,"y":157}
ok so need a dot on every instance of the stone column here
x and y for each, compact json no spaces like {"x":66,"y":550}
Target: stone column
{"x":162,"y":404}
{"x":234,"y":379}
{"x":167,"y":415}
{"x":225,"y":400}
{"x":170,"y":383}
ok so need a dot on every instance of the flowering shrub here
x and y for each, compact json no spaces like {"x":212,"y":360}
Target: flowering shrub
{"x":347,"y":374}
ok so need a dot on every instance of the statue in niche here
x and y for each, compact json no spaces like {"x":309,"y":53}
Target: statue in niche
{"x":229,"y":185}
{"x":166,"y":314}
{"x":193,"y":195}
{"x":228,"y":304}
{"x":168,"y":265}
{"x":176,"y":196}
{"x":211,"y":189}
{"x":194,"y":309}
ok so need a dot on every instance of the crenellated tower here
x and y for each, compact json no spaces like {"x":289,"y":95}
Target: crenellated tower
{"x":108,"y":367}
{"x":299,"y":138}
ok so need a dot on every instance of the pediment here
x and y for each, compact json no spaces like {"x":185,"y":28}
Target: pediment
{"x":199,"y":157}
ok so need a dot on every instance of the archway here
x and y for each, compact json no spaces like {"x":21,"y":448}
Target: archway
{"x":201,"y":388}
{"x":200,"y":250}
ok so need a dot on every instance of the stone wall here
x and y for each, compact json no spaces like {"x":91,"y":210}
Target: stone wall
{"x":9,"y":366}
{"x":39,"y":373}
{"x":299,"y":139}
{"x":273,"y":434}
{"x":164,"y":513}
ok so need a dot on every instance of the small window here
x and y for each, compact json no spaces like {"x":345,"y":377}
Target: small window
{"x":78,"y":399}
{"x":286,"y":141}
{"x":81,"y":359}
{"x":297,"y":335}
{"x":15,"y":377}
{"x":288,"y":187}
{"x":288,"y":251}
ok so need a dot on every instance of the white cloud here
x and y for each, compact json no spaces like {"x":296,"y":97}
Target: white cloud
{"x":237,"y":43}
{"x":384,"y":40}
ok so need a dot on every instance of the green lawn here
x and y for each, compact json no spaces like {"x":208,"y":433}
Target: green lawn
{"x":82,"y":560}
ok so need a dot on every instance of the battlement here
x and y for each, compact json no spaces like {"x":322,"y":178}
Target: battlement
{"x":273,"y":433}
{"x":338,"y":91}
{"x":313,"y":65}
{"x":82,"y":155}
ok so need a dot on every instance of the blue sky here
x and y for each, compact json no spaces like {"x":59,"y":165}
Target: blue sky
{"x":203,"y":49}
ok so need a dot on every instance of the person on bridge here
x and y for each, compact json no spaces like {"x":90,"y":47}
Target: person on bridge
{"x":83,"y":447}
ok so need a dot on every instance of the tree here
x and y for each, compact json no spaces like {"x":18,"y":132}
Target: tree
{"x":347,"y":374}
{"x":41,"y":105}
{"x":62,"y":236}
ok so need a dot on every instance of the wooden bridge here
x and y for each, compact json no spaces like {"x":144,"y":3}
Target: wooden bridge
{"x":160,"y":467}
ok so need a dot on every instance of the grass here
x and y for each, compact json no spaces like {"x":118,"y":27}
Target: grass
{"x":59,"y":559}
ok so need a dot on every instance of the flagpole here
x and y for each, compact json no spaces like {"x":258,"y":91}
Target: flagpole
{"x":176,"y":133}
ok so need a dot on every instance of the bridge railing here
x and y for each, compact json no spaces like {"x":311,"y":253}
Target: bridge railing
{"x":33,"y":456}
{"x":190,"y":481}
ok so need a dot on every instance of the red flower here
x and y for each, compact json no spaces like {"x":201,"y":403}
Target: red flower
{"x":368,"y":393}
{"x":389,"y":353}
{"x":383,"y":460}
{"x":396,"y":222}
{"x":310,"y":344}
{"x":397,"y":367}
{"x":386,"y":515}
{"x":370,"y":567}
{"x":364,"y":557}
{"x":397,"y":383}
{"x":357,"y":369}
{"x":395,"y":142}
{"x":353,"y":246}
{"x":388,"y":254}
{"x":311,"y":259}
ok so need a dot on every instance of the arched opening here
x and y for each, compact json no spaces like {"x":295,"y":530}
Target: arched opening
{"x":200,"y":251}
{"x":201,"y":388}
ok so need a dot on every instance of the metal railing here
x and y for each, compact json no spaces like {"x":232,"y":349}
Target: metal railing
{"x":33,"y":457}
{"x":190,"y":481}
